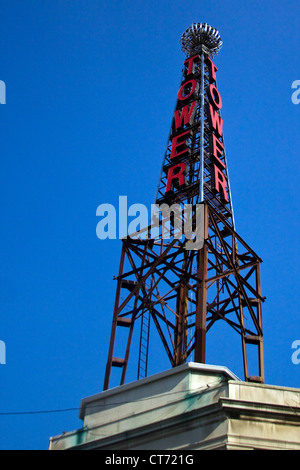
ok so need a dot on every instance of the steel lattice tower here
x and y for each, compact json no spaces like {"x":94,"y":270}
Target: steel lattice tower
{"x":182,"y":291}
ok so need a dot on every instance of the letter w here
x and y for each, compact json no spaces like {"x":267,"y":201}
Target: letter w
{"x":216,"y":121}
{"x":186,"y":115}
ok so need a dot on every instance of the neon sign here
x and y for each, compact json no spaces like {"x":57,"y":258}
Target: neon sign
{"x":184,"y":123}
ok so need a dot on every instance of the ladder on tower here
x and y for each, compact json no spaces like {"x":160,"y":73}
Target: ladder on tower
{"x":144,"y":345}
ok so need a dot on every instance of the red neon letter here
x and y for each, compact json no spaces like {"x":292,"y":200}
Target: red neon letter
{"x":186,"y":116}
{"x":175,"y":150}
{"x":217,"y":149}
{"x":190,"y":61}
{"x":213,"y":94}
{"x":212,"y":69}
{"x":216,"y":121}
{"x":219,"y":183}
{"x":176,"y":175}
{"x":193,"y":84}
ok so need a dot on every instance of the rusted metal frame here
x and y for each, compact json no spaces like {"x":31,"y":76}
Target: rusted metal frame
{"x":161,"y":301}
{"x":131,"y":261}
{"x":259,"y":313}
{"x":239,"y":280}
{"x":244,"y":346}
{"x":116,"y":315}
{"x":138,"y":239}
{"x":216,"y":303}
{"x":164,"y":318}
{"x":114,"y":323}
{"x":236,"y":235}
{"x":170,"y":309}
{"x":193,"y":289}
{"x":125,"y":314}
{"x":216,"y":316}
{"x":179,"y":334}
{"x":144,"y":349}
{"x":218,"y":267}
{"x":229,"y":265}
{"x":144,"y":277}
{"x":218,"y":255}
{"x":134,"y":310}
{"x":167,"y":322}
{"x":247,"y":276}
{"x":181,"y":319}
{"x":140,"y":252}
{"x":134,"y":271}
{"x":134,"y":313}
{"x":174,"y":270}
{"x":236,"y":288}
{"x":210,"y":284}
{"x":173,"y":286}
{"x":242,"y":292}
{"x":162,"y":337}
{"x":144,"y":346}
{"x":249,"y":306}
{"x":127,"y":352}
{"x":216,"y":313}
{"x":161,"y":258}
{"x":164,"y":278}
{"x":236,"y":326}
{"x":214,"y":197}
{"x":167,"y":266}
{"x":216,"y":236}
{"x":143,"y":305}
{"x":154,"y":312}
{"x":211,"y":266}
{"x":190,"y":344}
{"x":229,"y":272}
{"x":235,"y":309}
{"x":222,"y":312}
{"x":173,"y":265}
{"x":165,"y":296}
{"x":216,"y":300}
{"x":192,"y":347}
{"x":201,"y":307}
{"x":190,"y":299}
{"x":149,"y":293}
{"x":232,"y":298}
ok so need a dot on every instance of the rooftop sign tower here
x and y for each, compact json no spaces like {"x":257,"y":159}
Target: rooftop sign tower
{"x":180,"y":285}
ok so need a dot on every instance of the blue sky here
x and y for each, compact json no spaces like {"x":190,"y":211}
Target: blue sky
{"x":91,"y":89}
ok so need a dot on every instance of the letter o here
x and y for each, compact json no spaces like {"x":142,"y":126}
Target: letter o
{"x":194,"y":89}
{"x":214,"y":96}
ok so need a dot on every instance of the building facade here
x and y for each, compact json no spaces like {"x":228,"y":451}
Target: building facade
{"x":190,"y":407}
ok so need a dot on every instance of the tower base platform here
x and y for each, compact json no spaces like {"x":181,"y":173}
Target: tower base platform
{"x":190,"y":407}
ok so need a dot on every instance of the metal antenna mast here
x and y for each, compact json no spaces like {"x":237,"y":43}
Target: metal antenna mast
{"x":181,"y":287}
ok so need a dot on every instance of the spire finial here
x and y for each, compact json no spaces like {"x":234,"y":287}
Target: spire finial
{"x":201,"y":36}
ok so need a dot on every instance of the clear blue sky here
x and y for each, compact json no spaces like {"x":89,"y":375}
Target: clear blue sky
{"x":91,"y":89}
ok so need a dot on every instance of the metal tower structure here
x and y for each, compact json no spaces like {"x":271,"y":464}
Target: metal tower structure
{"x":179,"y":282}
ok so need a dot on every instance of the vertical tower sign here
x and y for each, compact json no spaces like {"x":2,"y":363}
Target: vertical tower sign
{"x":168,"y":290}
{"x":184,"y":129}
{"x":195,"y":167}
